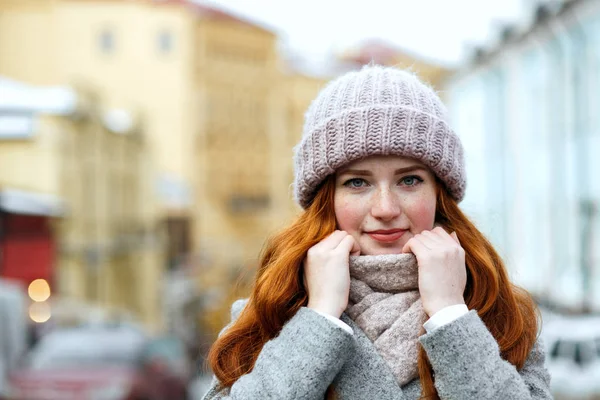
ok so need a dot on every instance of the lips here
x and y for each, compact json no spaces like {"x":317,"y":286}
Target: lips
{"x":387,"y":235}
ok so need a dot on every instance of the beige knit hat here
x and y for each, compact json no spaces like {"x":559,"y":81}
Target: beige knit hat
{"x":376,"y":111}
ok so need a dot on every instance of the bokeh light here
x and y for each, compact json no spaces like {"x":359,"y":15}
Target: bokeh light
{"x":40,"y":312}
{"x":39,"y":290}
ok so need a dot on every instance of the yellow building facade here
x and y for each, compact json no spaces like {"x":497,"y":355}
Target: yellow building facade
{"x":95,"y":168}
{"x":111,"y":245}
{"x":220,"y":114}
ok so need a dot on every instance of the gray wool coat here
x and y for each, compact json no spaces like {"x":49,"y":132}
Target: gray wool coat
{"x":311,"y":353}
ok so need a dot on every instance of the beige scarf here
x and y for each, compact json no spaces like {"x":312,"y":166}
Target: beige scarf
{"x":385,"y":303}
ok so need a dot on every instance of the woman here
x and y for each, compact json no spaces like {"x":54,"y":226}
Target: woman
{"x":382,"y":289}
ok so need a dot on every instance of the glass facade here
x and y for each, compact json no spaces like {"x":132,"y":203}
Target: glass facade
{"x":537,"y":128}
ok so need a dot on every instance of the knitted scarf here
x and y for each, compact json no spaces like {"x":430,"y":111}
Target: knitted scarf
{"x":385,"y":303}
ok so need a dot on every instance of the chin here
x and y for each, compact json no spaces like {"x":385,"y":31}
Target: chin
{"x":378,"y":251}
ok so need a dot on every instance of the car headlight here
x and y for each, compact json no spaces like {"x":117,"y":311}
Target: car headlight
{"x":111,"y":391}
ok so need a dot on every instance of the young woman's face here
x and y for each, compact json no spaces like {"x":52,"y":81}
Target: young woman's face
{"x":383,"y":201}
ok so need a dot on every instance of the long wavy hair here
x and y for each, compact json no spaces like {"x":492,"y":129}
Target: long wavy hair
{"x":508,"y":311}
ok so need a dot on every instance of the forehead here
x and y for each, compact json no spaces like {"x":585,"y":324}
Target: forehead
{"x":379,"y":162}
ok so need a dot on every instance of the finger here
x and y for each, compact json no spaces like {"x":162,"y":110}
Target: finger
{"x":455,"y":237}
{"x":440,"y":232}
{"x":355,"y":249}
{"x":415,"y":246}
{"x":428,"y":241}
{"x":433,"y":236}
{"x":444,"y":235}
{"x":348,"y":245}
{"x":439,"y":228}
{"x":333,"y":240}
{"x":406,"y":247}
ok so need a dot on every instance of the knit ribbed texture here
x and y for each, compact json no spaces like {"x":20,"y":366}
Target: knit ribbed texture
{"x":376,"y":111}
{"x":385,"y":303}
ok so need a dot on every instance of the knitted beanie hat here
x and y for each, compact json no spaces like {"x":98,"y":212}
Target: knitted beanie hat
{"x":376,"y":111}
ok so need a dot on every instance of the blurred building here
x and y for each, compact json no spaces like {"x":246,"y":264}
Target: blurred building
{"x":74,"y":204}
{"x":380,"y":52}
{"x":526,"y":107}
{"x":300,"y":87}
{"x":134,"y":55}
{"x":205,"y":85}
{"x":220,"y":108}
{"x":238,"y":138}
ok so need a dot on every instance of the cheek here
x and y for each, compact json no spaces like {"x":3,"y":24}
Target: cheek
{"x":348,"y":214}
{"x":421,"y":213}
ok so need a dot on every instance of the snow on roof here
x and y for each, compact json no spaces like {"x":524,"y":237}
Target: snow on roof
{"x":19,"y":97}
{"x":20,"y":104}
{"x":31,"y":203}
{"x":17,"y":126}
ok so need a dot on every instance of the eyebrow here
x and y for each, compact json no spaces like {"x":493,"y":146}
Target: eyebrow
{"x":399,"y":171}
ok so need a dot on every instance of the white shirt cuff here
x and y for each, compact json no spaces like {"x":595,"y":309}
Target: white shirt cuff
{"x":445,"y":316}
{"x":336,"y":321}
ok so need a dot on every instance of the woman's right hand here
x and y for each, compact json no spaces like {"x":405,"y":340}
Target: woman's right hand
{"x":327,"y":273}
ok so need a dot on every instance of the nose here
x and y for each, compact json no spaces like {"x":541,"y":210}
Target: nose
{"x":386,"y":205}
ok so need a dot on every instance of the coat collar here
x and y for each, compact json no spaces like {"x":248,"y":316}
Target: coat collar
{"x":366,"y":375}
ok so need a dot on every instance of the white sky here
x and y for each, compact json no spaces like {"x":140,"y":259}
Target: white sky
{"x":438,"y":29}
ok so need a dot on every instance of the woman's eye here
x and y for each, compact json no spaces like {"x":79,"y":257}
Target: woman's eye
{"x":355,"y":183}
{"x":411,"y":180}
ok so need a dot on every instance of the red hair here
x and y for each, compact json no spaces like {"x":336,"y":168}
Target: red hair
{"x":278,"y":293}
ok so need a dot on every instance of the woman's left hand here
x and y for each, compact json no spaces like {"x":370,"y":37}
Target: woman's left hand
{"x":442,"y":270}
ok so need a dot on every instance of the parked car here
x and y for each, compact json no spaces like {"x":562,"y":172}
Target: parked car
{"x":166,"y":369}
{"x":573,"y":356}
{"x":13,"y":329}
{"x":97,"y":363}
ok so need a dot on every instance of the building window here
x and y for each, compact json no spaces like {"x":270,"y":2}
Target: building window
{"x":165,"y":41}
{"x":107,"y":41}
{"x":252,"y":203}
{"x":178,"y":230}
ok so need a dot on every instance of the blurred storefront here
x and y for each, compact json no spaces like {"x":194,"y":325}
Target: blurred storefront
{"x":27,"y":241}
{"x":30,"y":202}
{"x":72,"y":207}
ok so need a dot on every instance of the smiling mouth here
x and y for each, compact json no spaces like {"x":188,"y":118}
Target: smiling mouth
{"x":387,"y":236}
